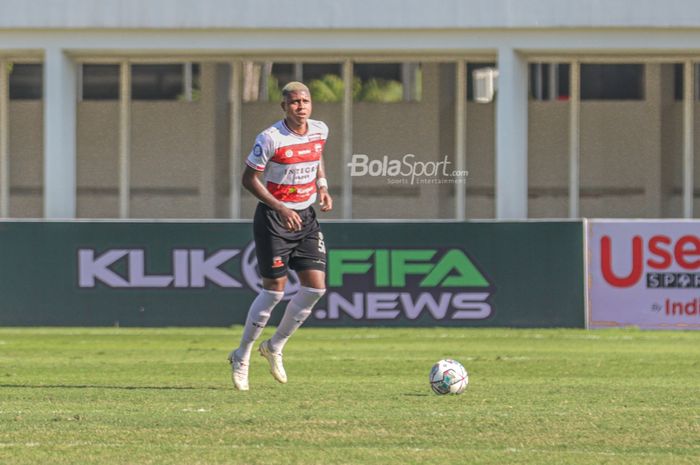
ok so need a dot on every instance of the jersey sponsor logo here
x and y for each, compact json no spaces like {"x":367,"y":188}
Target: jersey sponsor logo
{"x":300,"y":190}
{"x":297,"y":173}
{"x":257,"y":150}
{"x":309,"y":169}
{"x":298,"y":153}
{"x":295,"y":193}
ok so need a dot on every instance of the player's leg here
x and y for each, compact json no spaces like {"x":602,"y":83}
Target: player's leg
{"x":272,"y":254}
{"x":297,"y":311}
{"x":259,"y":314}
{"x":299,"y":307}
{"x":309,"y":261}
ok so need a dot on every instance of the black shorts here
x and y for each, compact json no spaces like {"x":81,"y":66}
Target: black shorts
{"x":278,"y":249}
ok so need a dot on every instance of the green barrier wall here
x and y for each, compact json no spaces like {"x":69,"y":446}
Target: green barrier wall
{"x":520,"y":274}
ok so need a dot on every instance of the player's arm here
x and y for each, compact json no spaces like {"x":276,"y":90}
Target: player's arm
{"x":324,"y":198}
{"x":251,"y":181}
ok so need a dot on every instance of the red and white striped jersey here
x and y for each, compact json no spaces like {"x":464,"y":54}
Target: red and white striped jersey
{"x":289,"y":161}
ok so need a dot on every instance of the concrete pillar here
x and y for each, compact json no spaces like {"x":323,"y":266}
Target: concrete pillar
{"x":347,"y":138}
{"x":574,"y":138}
{"x":207,"y":154}
{"x":60,"y":93}
{"x":511,"y":136}
{"x":124,"y":139}
{"x":653,"y":93}
{"x":689,"y":91}
{"x":460,"y":137}
{"x":4,"y":140}
{"x":235,"y":131}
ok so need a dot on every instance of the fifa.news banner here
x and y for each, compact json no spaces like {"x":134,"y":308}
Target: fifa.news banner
{"x":512,"y":274}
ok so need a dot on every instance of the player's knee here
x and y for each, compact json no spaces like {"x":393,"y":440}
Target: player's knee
{"x":274,"y":284}
{"x":315,"y":291}
{"x":273,"y":295}
{"x":310,"y":295}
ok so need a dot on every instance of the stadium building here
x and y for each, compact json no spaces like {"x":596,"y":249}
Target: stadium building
{"x":538,"y":109}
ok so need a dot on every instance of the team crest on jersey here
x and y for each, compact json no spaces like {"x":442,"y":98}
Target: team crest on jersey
{"x":289,"y":153}
{"x":318,"y":148}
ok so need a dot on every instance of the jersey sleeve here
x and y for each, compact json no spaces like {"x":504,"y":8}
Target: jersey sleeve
{"x":262,"y":151}
{"x":324,"y":129}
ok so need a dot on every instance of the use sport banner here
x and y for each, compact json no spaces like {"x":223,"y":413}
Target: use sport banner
{"x":98,"y":273}
{"x":644,"y":274}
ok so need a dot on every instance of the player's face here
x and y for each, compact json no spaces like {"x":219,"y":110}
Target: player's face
{"x":297,"y":108}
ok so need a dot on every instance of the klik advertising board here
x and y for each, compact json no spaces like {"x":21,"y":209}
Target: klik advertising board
{"x":527,"y":274}
{"x":644,"y":274}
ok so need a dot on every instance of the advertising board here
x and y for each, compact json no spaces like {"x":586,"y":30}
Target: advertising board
{"x":644,"y":274}
{"x":526,"y":274}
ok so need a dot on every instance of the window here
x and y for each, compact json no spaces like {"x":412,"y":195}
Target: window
{"x":100,"y":82}
{"x":26,"y":81}
{"x":612,"y":82}
{"x":325,"y":81}
{"x":373,"y":82}
{"x":164,"y":82}
{"x":263,"y":81}
{"x":387,"y":82}
{"x":286,"y":72}
{"x":148,"y":82}
{"x":678,"y":80}
{"x":549,"y":81}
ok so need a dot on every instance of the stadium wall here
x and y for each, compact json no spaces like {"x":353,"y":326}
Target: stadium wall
{"x":631,"y":154}
{"x":473,"y":274}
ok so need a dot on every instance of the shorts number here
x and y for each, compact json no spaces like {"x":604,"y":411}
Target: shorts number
{"x":321,"y":244}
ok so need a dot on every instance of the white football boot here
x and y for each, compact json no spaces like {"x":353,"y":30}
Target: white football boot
{"x":239,"y":372}
{"x":275,"y":361}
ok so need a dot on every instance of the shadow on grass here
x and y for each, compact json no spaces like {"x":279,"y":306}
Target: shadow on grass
{"x":126,"y":388}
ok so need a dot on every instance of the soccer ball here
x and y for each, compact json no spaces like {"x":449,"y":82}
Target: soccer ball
{"x":448,"y":377}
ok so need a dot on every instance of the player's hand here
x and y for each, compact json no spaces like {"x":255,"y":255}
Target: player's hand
{"x":325,"y":200}
{"x":290,"y":219}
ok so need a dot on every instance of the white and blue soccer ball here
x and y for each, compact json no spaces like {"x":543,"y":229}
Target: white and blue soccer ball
{"x":448,"y":377}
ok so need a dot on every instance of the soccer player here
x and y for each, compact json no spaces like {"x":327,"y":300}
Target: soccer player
{"x":287,"y":234}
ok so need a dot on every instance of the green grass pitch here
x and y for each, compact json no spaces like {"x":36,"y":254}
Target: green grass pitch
{"x":355,"y":396}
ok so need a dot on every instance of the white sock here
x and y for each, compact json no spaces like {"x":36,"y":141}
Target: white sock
{"x":297,"y":311}
{"x":255,"y":322}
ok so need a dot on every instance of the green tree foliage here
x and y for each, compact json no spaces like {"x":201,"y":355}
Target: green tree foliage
{"x":381,"y":91}
{"x":329,"y":89}
{"x":274,"y":93}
